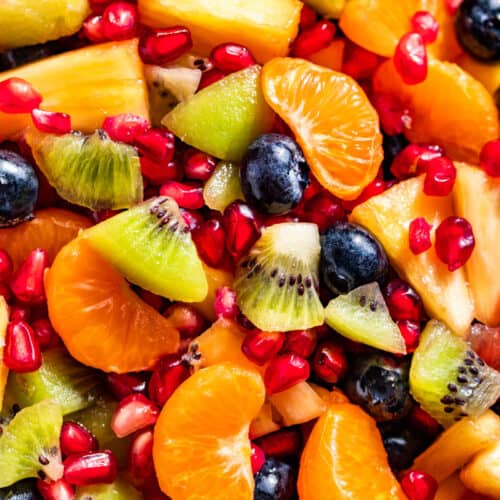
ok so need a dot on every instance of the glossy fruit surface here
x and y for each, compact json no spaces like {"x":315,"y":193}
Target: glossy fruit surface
{"x":275,"y":480}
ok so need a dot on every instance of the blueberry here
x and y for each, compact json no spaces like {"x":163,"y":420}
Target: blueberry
{"x":393,"y":145}
{"x":22,"y":490}
{"x":351,"y":257}
{"x":275,"y":481}
{"x":23,"y":55}
{"x":402,"y":446}
{"x":477,"y":25}
{"x":274,"y":174}
{"x":379,"y":383}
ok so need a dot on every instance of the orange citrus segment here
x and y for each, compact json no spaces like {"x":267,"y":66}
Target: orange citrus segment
{"x":449,"y":108}
{"x":102,"y":322}
{"x":344,"y":458}
{"x":51,"y":229}
{"x":4,"y":371}
{"x":201,"y":445}
{"x":333,"y":121}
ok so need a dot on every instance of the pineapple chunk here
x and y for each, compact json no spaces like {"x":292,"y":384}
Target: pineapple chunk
{"x":4,"y":371}
{"x":264,"y":422}
{"x":482,"y":473}
{"x":333,"y":397}
{"x":266,"y":27}
{"x":89,"y":84}
{"x":445,"y":295}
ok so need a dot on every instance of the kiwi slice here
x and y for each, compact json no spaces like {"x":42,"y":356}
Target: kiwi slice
{"x":448,"y":379}
{"x":277,"y":283}
{"x":89,"y":170}
{"x":362,"y":315}
{"x":151,"y":245}
{"x":60,"y":378}
{"x":223,"y":187}
{"x":29,"y":445}
{"x":118,"y":490}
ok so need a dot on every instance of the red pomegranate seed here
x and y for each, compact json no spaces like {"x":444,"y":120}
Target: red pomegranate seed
{"x":452,"y":6}
{"x":198,"y":165}
{"x":284,"y":371}
{"x":5,"y":292}
{"x":359,"y":63}
{"x":163,"y":46}
{"x":187,"y":320}
{"x":211,"y":76}
{"x":419,"y":485}
{"x":329,"y":362}
{"x":192,"y":218}
{"x":158,"y":173}
{"x":257,"y":458}
{"x":425,"y":24}
{"x":93,"y":29}
{"x":420,"y":235}
{"x":490,"y":158}
{"x":151,"y":490}
{"x":155,"y":301}
{"x":403,"y":301}
{"x":281,"y":444}
{"x":260,"y":347}
{"x":410,"y":59}
{"x":125,"y":127}
{"x":133,"y":413}
{"x":242,"y":229}
{"x":168,"y":375}
{"x":21,"y":353}
{"x":422,"y":421}
{"x":231,"y":57}
{"x":140,"y":455}
{"x":485,"y":342}
{"x":414,"y":159}
{"x":157,"y":144}
{"x":313,"y":39}
{"x":440,"y":177}
{"x":91,"y":468}
{"x":27,"y":282}
{"x":454,"y":242}
{"x":20,"y":312}
{"x":99,"y":5}
{"x":6,"y":266}
{"x":75,"y":438}
{"x":308,"y":17}
{"x":410,"y":331}
{"x":394,"y":116}
{"x":301,"y":342}
{"x":18,"y":96}
{"x":56,"y":490}
{"x":225,"y":303}
{"x":209,"y":239}
{"x":323,"y":210}
{"x":375,"y":187}
{"x":186,"y":194}
{"x":120,"y":21}
{"x":125,"y":384}
{"x":51,"y":122}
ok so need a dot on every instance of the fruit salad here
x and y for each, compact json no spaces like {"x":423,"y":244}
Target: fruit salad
{"x":249,"y":250}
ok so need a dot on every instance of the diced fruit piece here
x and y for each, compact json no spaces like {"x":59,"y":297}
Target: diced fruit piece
{"x":451,"y":489}
{"x":25,"y":23}
{"x":264,"y":423}
{"x":120,"y":489}
{"x":448,"y":379}
{"x":344,"y":458}
{"x":487,"y":73}
{"x":332,"y":119}
{"x":88,"y":84}
{"x":4,"y":371}
{"x":335,"y":396}
{"x":92,"y":171}
{"x":331,"y":56}
{"x":219,"y":401}
{"x":277,"y":282}
{"x":30,"y":443}
{"x":131,"y":335}
{"x":224,"y":118}
{"x":445,"y":295}
{"x":458,"y":444}
{"x":265,"y":27}
{"x":483,"y":213}
{"x":151,"y":246}
{"x":328,"y":8}
{"x":223,"y":187}
{"x":362,"y":316}
{"x":446,"y":107}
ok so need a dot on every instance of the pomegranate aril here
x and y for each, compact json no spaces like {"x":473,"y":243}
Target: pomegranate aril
{"x":21,"y":352}
{"x":198,"y":165}
{"x":308,"y":17}
{"x":410,"y":59}
{"x":56,"y":490}
{"x":301,"y":342}
{"x":133,"y":413}
{"x":425,"y":24}
{"x":187,"y":320}
{"x":242,"y":229}
{"x":163,"y":46}
{"x":359,"y":63}
{"x":192,"y":218}
{"x":489,"y":158}
{"x":93,"y":29}
{"x":403,"y":301}
{"x":75,"y":438}
{"x":209,"y":239}
{"x":422,"y":421}
{"x":169,"y":374}
{"x":6,"y":266}
{"x":454,"y":242}
{"x":124,"y":384}
{"x":329,"y":362}
{"x":419,"y":234}
{"x":140,"y":455}
{"x":20,"y":312}
{"x":120,"y":21}
{"x":375,"y":187}
{"x":414,"y":159}
{"x":158,"y":172}
{"x":439,"y":177}
{"x":281,"y":444}
{"x":157,"y":144}
{"x":99,"y":5}
{"x":225,"y":304}
{"x":18,"y":96}
{"x":323,"y":210}
{"x":51,"y":122}
{"x":452,"y":6}
{"x":5,"y":292}
{"x":419,"y":485}
{"x":211,"y":76}
{"x":186,"y":194}
{"x":285,"y":371}
{"x":314,"y":38}
{"x":125,"y":127}
{"x":231,"y":57}
{"x":257,"y":458}
{"x":260,"y":347}
{"x":394,"y":116}
{"x":91,"y":468}
{"x":410,"y":331}
{"x":27,"y":282}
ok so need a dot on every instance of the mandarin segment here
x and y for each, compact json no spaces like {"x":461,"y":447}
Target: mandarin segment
{"x":4,"y":371}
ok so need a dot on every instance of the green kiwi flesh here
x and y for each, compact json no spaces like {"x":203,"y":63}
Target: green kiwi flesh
{"x":277,"y":283}
{"x":60,"y":379}
{"x":362,"y":315}
{"x":92,"y":171}
{"x":223,"y":187}
{"x":448,"y":379}
{"x":118,"y":490}
{"x":224,"y":118}
{"x":29,"y":445}
{"x":151,"y":245}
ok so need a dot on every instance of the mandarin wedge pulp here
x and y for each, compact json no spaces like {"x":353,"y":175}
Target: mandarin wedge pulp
{"x":201,"y":447}
{"x":102,"y":322}
{"x":4,"y":371}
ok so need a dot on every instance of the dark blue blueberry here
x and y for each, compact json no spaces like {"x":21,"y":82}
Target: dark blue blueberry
{"x":379,"y":383}
{"x":275,"y":481}
{"x":23,"y":55}
{"x":477,"y":25}
{"x":393,"y":145}
{"x":351,"y":257}
{"x":274,"y":174}
{"x":18,"y":188}
{"x":22,"y":490}
{"x":402,"y":446}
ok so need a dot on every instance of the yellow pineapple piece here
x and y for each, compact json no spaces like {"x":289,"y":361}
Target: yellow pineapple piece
{"x":264,"y":422}
{"x":4,"y":371}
